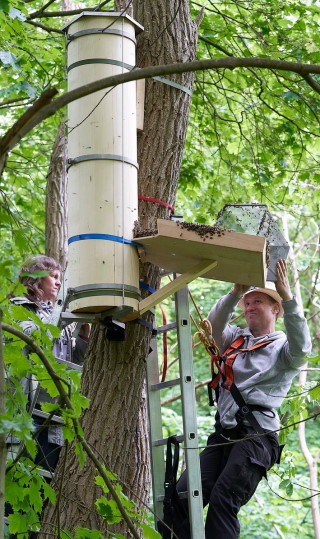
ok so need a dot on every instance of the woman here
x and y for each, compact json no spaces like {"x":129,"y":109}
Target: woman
{"x":39,"y":299}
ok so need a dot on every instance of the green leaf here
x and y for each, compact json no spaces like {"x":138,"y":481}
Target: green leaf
{"x":68,"y":433}
{"x":109,"y":510}
{"x":84,"y":533}
{"x":148,"y":531}
{"x":289,"y":489}
{"x":81,"y":454}
{"x":50,"y":407}
{"x":290,"y":96}
{"x":315,"y":393}
{"x":35,"y":274}
{"x":65,"y":534}
{"x":314,"y":359}
{"x":4,"y":5}
{"x":21,"y":523}
{"x":284,"y":483}
{"x":49,"y":492}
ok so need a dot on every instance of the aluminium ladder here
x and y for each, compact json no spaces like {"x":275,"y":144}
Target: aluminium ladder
{"x":190,"y":436}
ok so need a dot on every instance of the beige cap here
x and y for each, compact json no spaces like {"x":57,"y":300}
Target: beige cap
{"x":270,"y":290}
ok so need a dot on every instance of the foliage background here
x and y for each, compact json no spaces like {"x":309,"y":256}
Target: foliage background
{"x":253,"y":137}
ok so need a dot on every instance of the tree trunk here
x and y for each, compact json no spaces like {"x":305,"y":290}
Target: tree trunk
{"x":114,"y":372}
{"x":56,"y":201}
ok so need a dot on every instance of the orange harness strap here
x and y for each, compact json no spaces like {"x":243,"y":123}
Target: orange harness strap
{"x":228,"y":358}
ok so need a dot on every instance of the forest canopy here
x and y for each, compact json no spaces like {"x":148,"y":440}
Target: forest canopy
{"x":253,"y":137}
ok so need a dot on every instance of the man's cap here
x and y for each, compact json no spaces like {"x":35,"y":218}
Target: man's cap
{"x":270,"y":290}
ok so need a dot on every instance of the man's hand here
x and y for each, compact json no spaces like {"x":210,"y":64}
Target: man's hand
{"x":240,"y":289}
{"x":282,"y":282}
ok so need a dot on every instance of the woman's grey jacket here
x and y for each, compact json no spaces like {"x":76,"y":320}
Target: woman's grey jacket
{"x":65,"y":347}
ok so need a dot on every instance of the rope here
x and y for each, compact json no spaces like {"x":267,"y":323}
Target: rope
{"x":156,"y":201}
{"x":205,"y":335}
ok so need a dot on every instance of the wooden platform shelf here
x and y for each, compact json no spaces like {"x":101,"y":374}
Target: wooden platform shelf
{"x":241,"y":258}
{"x":221,"y":255}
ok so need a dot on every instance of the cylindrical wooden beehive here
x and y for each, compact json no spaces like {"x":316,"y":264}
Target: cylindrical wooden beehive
{"x":102,"y":173}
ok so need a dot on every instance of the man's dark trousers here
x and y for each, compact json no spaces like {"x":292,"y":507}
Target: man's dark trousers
{"x":230,"y":473}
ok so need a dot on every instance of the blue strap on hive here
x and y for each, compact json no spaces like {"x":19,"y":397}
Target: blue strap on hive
{"x":109,"y":237}
{"x":146,"y":287}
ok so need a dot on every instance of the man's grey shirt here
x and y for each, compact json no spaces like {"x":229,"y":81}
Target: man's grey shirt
{"x":264,"y":375}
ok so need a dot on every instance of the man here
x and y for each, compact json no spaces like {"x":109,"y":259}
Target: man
{"x":231,"y":472}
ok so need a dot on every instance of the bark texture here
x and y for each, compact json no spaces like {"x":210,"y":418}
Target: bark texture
{"x":114,"y":372}
{"x":56,"y":201}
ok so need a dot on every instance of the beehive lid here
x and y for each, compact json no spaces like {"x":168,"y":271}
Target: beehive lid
{"x":178,"y":247}
{"x":116,"y":15}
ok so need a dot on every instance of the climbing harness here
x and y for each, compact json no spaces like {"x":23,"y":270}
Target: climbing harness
{"x":228,"y":358}
{"x":226,"y":376}
{"x":245,"y":411}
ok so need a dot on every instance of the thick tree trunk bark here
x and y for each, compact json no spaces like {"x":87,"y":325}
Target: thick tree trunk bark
{"x":56,"y":201}
{"x":114,"y":372}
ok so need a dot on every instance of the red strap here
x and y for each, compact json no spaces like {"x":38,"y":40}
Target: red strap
{"x":215,"y":379}
{"x":229,"y":361}
{"x":156,"y":201}
{"x":229,"y":357}
{"x":233,"y":346}
{"x":165,"y":346}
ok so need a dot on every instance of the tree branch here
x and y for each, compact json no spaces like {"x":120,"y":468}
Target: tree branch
{"x":46,"y":6}
{"x":25,"y":123}
{"x":13,"y":135}
{"x":76,"y":424}
{"x":313,"y":83}
{"x":46,"y":28}
{"x":215,"y":45}
{"x":45,"y":14}
{"x":12,"y":101}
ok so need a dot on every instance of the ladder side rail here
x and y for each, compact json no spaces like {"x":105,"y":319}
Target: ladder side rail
{"x":155,"y":432}
{"x":189,"y":415}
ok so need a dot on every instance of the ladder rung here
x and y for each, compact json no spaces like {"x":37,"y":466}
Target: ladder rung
{"x":45,"y":473}
{"x":162,"y":385}
{"x":40,"y":413}
{"x":167,"y":327}
{"x":181,"y":496}
{"x":78,"y":317}
{"x":163,"y":441}
{"x":69,"y":364}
